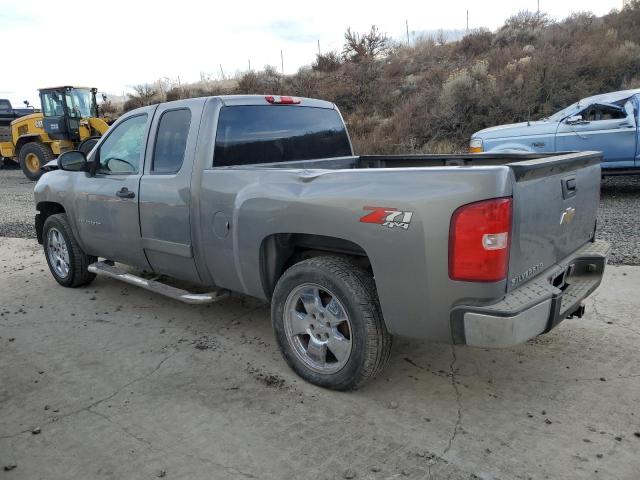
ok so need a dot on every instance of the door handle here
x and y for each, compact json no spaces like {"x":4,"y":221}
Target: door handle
{"x":124,"y":192}
{"x":626,"y":125}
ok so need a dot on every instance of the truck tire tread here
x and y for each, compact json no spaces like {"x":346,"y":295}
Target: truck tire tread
{"x":361,"y":287}
{"x":79,"y":274}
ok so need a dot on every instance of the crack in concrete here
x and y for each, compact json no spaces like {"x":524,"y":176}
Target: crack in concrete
{"x":97,"y":402}
{"x":452,"y":369}
{"x":120,"y":427}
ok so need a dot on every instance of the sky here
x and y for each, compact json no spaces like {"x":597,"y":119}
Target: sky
{"x":120,"y":43}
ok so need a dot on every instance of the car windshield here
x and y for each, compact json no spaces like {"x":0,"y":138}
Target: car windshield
{"x":80,"y":103}
{"x":565,"y":112}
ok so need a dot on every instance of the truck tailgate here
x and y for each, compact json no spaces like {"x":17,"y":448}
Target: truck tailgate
{"x":555,"y":203}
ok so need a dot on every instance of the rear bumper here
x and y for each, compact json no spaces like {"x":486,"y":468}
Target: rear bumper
{"x":535,"y":307}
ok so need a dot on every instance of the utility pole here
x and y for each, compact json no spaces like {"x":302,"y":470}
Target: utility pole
{"x":538,"y":7}
{"x":249,"y":64}
{"x":407,"y":22}
{"x":467,"y":20}
{"x":319,"y":47}
{"x":222,"y":72}
{"x":282,"y":62}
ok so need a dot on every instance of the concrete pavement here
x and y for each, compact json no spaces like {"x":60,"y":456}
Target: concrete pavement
{"x":125,"y":384}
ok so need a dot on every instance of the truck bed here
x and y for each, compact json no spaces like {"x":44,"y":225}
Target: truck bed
{"x":523,"y":165}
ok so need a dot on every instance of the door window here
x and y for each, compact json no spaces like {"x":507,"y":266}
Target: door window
{"x":122,"y":150}
{"x":171,"y":141}
{"x":603,"y":112}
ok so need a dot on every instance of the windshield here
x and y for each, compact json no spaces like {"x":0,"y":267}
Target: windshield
{"x":565,"y":112}
{"x":80,"y":103}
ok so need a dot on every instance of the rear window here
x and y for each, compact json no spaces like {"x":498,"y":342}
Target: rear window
{"x":5,"y":105}
{"x":251,"y":134}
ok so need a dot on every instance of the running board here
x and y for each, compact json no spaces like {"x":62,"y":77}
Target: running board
{"x":108,"y":270}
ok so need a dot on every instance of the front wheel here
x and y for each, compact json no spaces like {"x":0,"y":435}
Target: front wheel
{"x":32,"y":157}
{"x":328,"y":323}
{"x":66,"y":260}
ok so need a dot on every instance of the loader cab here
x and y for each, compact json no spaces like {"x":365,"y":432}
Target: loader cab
{"x":64,"y":107}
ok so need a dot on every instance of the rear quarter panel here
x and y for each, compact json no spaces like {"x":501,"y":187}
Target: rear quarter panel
{"x":410,"y":266}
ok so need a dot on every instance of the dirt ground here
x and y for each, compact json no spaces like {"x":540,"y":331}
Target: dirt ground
{"x":112,"y":382}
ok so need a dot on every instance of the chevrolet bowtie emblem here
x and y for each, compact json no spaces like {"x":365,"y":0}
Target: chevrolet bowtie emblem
{"x":567,"y":216}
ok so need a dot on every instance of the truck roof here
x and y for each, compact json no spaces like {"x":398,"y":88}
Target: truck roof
{"x":229,"y":100}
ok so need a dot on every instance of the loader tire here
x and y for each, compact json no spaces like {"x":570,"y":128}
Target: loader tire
{"x":32,"y":157}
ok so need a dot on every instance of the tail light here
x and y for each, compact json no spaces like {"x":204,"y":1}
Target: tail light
{"x":281,"y":99}
{"x":479,"y":239}
{"x":475,"y":145}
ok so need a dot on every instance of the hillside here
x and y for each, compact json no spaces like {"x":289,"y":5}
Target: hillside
{"x":433,"y":95}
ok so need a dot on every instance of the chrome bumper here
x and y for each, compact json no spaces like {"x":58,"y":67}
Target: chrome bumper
{"x":535,"y":307}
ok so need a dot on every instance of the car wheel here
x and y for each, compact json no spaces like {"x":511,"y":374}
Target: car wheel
{"x":328,"y":323}
{"x":66,"y":260}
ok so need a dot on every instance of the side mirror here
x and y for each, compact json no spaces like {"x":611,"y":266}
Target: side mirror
{"x":574,"y":120}
{"x":73,"y":161}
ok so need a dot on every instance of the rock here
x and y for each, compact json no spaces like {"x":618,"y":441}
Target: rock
{"x":349,"y":473}
{"x":47,"y":407}
{"x":599,"y":455}
{"x":36,"y":430}
{"x":162,"y":474}
{"x":375,"y":468}
{"x":547,"y":421}
{"x":11,"y":339}
{"x":10,"y":466}
{"x":602,"y":379}
{"x":405,"y":472}
{"x":392,"y":405}
{"x":619,"y":439}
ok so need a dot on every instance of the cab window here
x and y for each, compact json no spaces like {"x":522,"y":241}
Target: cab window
{"x":171,"y":141}
{"x":121,"y":152}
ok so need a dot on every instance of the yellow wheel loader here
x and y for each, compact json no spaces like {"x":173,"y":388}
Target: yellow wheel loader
{"x":68,"y":121}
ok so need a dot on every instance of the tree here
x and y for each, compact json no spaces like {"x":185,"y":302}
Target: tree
{"x":365,"y":46}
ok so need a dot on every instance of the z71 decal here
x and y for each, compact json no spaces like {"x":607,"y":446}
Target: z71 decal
{"x":387,"y":217}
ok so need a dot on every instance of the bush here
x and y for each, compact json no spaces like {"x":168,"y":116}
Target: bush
{"x":433,"y":95}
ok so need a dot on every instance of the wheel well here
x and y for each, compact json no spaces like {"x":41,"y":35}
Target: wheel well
{"x":45,"y":209}
{"x":282,"y":250}
{"x":26,"y":139}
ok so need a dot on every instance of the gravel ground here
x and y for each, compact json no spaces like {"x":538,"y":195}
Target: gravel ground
{"x":618,"y":219}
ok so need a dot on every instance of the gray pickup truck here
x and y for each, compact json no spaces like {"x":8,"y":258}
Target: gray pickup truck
{"x":262,"y":195}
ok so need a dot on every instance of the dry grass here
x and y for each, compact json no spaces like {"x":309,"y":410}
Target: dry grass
{"x":434,"y":95}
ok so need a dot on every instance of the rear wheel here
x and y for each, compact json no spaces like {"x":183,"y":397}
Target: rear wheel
{"x":67,"y":262}
{"x":328,"y":323}
{"x":32,"y":157}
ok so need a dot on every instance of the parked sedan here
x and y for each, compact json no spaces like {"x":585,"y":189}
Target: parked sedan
{"x":606,"y":123}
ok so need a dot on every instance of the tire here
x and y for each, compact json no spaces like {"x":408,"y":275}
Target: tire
{"x":330,"y":288}
{"x":60,"y":248}
{"x":32,"y":157}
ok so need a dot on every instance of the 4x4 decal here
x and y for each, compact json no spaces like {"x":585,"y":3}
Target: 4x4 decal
{"x":387,"y":217}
